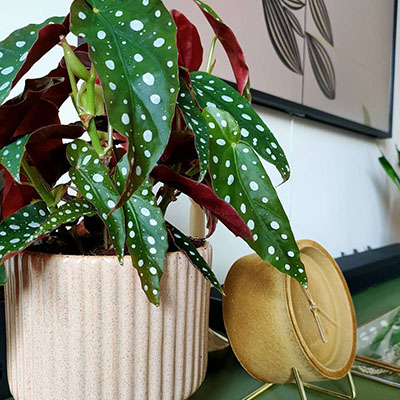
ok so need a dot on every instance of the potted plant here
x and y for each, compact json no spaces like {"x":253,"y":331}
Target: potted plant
{"x":80,"y":323}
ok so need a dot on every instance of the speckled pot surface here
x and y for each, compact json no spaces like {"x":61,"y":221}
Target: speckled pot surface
{"x":80,"y":328}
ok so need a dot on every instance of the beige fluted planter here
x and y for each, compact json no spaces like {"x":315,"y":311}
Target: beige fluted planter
{"x":80,"y":328}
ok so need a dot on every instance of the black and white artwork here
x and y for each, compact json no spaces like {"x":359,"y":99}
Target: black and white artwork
{"x":283,"y":25}
{"x":330,"y":60}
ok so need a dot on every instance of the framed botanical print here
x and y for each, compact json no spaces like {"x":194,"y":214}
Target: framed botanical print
{"x":329,"y":60}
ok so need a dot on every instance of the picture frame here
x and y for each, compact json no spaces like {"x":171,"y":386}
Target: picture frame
{"x":354,"y":92}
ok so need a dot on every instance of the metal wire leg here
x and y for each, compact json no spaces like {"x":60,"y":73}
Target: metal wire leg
{"x":302,"y":385}
{"x":257,"y":392}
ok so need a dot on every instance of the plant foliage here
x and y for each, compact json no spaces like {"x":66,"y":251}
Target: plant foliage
{"x":153,"y":118}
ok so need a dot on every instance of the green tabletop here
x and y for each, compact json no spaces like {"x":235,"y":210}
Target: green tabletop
{"x":231,"y":382}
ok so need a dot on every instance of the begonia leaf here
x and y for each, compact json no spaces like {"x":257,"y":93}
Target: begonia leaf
{"x":239,"y":177}
{"x":133,"y":47}
{"x":92,"y":179}
{"x":205,"y":197}
{"x":14,"y":51}
{"x":184,"y":244}
{"x":190,"y":49}
{"x":213,"y":92}
{"x":229,"y":43}
{"x":146,"y":236}
{"x":196,"y":122}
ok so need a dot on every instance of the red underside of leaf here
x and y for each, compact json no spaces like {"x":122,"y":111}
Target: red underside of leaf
{"x":211,"y":223}
{"x":49,"y":36}
{"x":27,"y":112}
{"x":180,"y":148}
{"x":190,"y":50}
{"x":122,"y":139}
{"x":184,"y":74}
{"x":15,"y":196}
{"x":232,"y":48}
{"x":47,"y":151}
{"x":205,"y":197}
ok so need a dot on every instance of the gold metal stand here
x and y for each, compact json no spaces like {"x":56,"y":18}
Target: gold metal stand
{"x":316,"y":311}
{"x":256,"y":393}
{"x":302,"y":385}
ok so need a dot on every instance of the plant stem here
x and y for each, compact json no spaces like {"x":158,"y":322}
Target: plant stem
{"x":105,"y":236}
{"x":192,"y":171}
{"x":110,"y":135}
{"x":71,"y":75}
{"x":74,"y":234}
{"x":211,"y":54}
{"x":73,"y":62}
{"x":91,"y":107}
{"x":178,"y":120}
{"x":90,"y":92}
{"x":39,"y":184}
{"x":92,"y":131}
{"x":73,"y":85}
{"x":169,"y":192}
{"x":166,"y":199}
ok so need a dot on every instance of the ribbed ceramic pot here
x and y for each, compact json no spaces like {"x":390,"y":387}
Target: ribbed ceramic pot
{"x":81,"y":328}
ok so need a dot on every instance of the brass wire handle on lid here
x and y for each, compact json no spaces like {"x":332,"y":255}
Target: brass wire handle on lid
{"x":316,"y":309}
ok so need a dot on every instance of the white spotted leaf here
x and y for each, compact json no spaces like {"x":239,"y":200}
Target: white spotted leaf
{"x":66,"y":214}
{"x":91,"y":178}
{"x":133,"y":47}
{"x":146,"y":236}
{"x":11,"y":156}
{"x":195,"y":121}
{"x":238,"y":176}
{"x":16,"y":230}
{"x":213,"y":92}
{"x":3,"y":275}
{"x":14,"y":51}
{"x":183,"y":243}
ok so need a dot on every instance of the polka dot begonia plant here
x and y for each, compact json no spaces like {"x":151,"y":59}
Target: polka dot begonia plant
{"x":157,"y":126}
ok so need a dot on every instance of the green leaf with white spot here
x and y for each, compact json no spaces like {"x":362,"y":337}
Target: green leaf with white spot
{"x":3,"y":275}
{"x":66,"y":214}
{"x":16,"y":230}
{"x":146,"y":236}
{"x":14,"y":50}
{"x":133,"y":47}
{"x":31,"y":222}
{"x":239,"y":177}
{"x":11,"y":156}
{"x":91,"y":178}
{"x":183,"y":243}
{"x":195,"y":121}
{"x":213,"y":92}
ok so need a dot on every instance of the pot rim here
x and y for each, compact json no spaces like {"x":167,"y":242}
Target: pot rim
{"x":170,"y":254}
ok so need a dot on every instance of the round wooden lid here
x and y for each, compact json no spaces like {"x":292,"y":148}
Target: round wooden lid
{"x":327,"y":288}
{"x":270,"y":324}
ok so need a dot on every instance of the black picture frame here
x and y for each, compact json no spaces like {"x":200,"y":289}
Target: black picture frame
{"x":299,"y":110}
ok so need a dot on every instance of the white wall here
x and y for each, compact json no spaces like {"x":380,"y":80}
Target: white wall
{"x":338,"y":194}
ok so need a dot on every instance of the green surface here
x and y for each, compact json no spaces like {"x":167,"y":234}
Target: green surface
{"x":230,"y":381}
